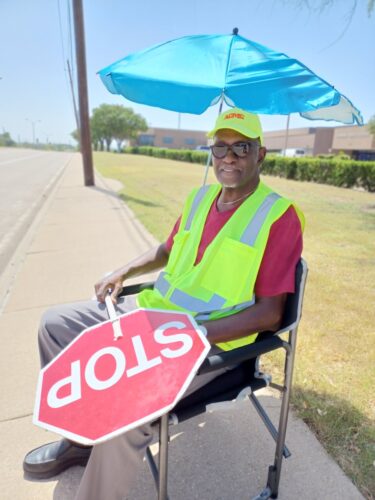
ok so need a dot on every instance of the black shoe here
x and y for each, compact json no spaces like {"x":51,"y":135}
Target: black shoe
{"x":52,"y":458}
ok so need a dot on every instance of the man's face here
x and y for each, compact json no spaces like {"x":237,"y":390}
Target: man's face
{"x":235,"y":172}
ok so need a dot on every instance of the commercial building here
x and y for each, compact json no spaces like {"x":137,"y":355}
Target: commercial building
{"x":355,"y":141}
{"x":172,"y":138}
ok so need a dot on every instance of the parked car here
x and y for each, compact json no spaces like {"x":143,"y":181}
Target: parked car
{"x":294,"y":152}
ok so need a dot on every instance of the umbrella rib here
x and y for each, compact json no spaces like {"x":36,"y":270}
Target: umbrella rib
{"x":228,"y":62}
{"x":153,"y":79}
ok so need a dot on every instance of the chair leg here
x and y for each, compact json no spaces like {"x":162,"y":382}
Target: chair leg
{"x":267,"y":422}
{"x":274,"y":470}
{"x":163,"y":458}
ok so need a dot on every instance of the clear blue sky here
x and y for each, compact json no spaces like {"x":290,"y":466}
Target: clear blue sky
{"x":34,"y":83}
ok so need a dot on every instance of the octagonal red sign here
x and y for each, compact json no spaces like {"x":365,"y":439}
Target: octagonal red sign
{"x":99,"y":387}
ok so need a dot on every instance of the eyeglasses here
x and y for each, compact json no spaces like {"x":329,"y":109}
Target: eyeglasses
{"x":239,"y":149}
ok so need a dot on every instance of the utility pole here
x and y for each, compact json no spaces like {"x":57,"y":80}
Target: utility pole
{"x":33,"y":123}
{"x":84,"y":130}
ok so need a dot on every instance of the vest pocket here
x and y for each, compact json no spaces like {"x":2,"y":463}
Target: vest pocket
{"x":179,"y":241}
{"x":228,"y":270}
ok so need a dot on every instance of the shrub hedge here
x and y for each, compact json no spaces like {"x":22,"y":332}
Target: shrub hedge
{"x":342,"y":173}
{"x":187,"y":155}
{"x":337,"y":172}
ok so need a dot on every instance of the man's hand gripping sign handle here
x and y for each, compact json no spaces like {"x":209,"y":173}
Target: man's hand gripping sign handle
{"x":117,"y":332}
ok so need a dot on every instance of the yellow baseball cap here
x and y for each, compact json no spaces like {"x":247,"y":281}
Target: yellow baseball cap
{"x":241,"y":121}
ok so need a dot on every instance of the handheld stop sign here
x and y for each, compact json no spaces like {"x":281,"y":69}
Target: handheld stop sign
{"x":119,"y":374}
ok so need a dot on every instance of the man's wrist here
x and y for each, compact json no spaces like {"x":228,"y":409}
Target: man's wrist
{"x":203,"y":330}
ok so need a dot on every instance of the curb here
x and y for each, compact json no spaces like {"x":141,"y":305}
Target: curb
{"x":28,"y":228}
{"x":146,"y":236}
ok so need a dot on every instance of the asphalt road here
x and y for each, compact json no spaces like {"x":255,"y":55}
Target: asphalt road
{"x":25,"y":176}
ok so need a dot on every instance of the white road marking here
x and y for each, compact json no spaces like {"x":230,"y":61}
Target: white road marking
{"x":21,"y":158}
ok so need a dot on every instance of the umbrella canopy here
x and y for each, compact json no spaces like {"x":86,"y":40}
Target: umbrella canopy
{"x":191,"y":73}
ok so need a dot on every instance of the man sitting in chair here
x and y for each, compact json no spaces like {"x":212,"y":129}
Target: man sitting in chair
{"x":230,"y":262}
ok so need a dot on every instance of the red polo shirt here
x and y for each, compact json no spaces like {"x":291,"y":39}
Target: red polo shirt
{"x":283,"y":250}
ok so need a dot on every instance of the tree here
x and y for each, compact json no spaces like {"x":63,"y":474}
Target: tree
{"x":127,"y":125}
{"x":75,"y":135}
{"x":97,"y":141}
{"x":6,"y":140}
{"x":115,"y":122}
{"x":320,"y":5}
{"x":101,"y":126}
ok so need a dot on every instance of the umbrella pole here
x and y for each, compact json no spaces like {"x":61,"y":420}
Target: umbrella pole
{"x":209,"y":157}
{"x":286,"y":135}
{"x":207,"y":167}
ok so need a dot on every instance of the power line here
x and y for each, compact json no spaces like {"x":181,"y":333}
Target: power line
{"x":69,"y":68}
{"x":62,"y":42}
{"x":72,"y":62}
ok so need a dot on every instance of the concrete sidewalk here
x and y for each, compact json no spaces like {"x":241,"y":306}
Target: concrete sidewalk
{"x":80,"y":234}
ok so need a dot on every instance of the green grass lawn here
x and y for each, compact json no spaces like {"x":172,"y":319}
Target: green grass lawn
{"x":335,"y":366}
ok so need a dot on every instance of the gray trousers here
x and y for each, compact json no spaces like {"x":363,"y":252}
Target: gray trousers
{"x":113,"y":465}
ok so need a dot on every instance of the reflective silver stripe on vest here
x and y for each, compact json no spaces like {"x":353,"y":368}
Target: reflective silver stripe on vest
{"x":205,"y":309}
{"x":186,"y":301}
{"x":238,"y":307}
{"x":161,"y":284}
{"x":183,"y":299}
{"x":252,"y":230}
{"x":198,"y":197}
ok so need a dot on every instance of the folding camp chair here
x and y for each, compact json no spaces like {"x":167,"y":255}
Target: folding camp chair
{"x":241,"y":381}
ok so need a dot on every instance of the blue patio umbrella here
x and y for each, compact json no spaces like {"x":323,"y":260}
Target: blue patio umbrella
{"x":189,"y":74}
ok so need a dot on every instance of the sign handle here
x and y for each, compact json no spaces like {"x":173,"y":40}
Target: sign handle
{"x":113,"y":317}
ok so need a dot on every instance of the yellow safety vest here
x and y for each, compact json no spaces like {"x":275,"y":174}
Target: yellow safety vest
{"x":222,"y":283}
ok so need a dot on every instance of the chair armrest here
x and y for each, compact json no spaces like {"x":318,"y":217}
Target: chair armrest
{"x":225,"y":358}
{"x":136,"y":288}
{"x":236,"y":356}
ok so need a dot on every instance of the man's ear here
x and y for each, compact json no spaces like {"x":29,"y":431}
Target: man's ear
{"x":262,"y":153}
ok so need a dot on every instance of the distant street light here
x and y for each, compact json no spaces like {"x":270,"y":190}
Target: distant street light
{"x":33,"y":123}
{"x":47,"y":137}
